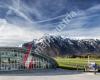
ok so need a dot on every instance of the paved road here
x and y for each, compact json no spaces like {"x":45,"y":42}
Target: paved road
{"x":58,"y":74}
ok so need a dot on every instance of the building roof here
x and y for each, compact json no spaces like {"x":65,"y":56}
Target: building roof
{"x":23,"y":50}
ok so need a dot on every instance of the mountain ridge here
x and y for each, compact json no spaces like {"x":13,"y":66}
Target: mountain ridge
{"x":58,"y":46}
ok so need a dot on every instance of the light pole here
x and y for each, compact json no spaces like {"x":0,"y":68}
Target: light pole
{"x":88,"y":59}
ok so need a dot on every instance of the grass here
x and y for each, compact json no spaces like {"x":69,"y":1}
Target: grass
{"x":74,"y":63}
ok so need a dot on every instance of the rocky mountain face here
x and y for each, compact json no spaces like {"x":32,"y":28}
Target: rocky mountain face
{"x":58,"y":46}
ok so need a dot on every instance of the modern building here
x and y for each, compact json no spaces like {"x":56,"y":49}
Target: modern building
{"x":17,"y":58}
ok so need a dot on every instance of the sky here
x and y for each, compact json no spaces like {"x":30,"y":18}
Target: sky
{"x":24,"y":20}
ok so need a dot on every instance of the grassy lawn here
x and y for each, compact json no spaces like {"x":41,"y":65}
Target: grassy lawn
{"x":74,"y":63}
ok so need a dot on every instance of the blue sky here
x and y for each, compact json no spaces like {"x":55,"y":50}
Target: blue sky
{"x":25,"y":20}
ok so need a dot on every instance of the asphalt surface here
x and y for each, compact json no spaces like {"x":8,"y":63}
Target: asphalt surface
{"x":58,"y":74}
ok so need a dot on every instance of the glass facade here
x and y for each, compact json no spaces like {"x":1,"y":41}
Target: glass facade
{"x":12,"y":59}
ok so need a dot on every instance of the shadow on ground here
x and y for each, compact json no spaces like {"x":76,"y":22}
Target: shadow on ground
{"x":47,"y":72}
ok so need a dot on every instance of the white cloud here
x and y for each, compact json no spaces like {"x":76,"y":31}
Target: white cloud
{"x":78,"y":26}
{"x":16,"y":35}
{"x":94,"y":8}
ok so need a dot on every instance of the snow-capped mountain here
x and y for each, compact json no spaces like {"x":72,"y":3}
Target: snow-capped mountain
{"x":58,"y":46}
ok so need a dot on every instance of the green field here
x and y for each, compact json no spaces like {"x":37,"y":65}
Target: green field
{"x":74,"y":63}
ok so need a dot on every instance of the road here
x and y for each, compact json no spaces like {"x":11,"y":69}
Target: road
{"x":58,"y":74}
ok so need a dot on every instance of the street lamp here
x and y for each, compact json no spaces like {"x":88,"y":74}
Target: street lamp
{"x":89,"y":58}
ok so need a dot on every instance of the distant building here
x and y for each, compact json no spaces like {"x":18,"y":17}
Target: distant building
{"x":17,"y":58}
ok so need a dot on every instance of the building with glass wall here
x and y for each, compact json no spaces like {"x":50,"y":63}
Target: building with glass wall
{"x":13,"y":58}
